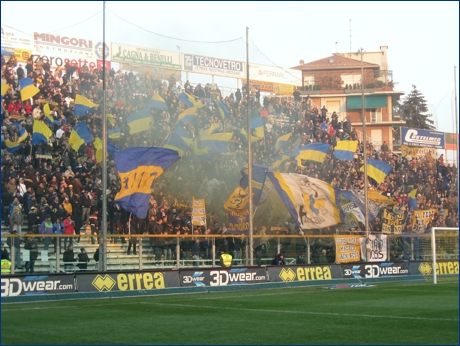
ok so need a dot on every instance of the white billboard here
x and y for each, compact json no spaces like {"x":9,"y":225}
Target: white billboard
{"x":214,"y":66}
{"x":275,"y":74}
{"x":15,"y":38}
{"x":52,"y":45}
{"x":145,"y":56}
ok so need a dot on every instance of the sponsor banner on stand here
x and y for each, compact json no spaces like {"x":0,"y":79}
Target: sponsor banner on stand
{"x":274,"y":74}
{"x":63,"y":45}
{"x":222,"y":276}
{"x":365,"y":271}
{"x":125,"y":53}
{"x":141,"y":280}
{"x":157,"y":72}
{"x":422,"y":138}
{"x":417,"y":153}
{"x":347,"y":248}
{"x":443,"y":267}
{"x":214,"y":66}
{"x":59,"y":60}
{"x":270,"y":87}
{"x":304,"y":273}
{"x":450,"y":141}
{"x":22,"y":55}
{"x":13,"y":286}
{"x":15,"y":38}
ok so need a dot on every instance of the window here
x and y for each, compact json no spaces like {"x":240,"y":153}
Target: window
{"x":376,"y":115}
{"x":351,"y":79}
{"x":308,"y":80}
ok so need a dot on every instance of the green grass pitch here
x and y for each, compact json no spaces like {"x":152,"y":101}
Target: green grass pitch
{"x":387,"y":313}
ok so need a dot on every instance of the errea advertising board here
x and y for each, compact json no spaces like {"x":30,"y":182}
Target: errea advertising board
{"x":422,"y":138}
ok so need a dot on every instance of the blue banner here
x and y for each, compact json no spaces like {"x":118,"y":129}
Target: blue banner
{"x":422,"y":138}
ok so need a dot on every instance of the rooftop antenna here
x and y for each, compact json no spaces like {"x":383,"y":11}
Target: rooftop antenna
{"x":336,"y":47}
{"x":350,"y":36}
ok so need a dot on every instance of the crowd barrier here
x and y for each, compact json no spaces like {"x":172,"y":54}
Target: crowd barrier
{"x":87,"y":282}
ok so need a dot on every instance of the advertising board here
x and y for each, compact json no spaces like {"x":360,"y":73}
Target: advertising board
{"x":362,"y":271}
{"x":422,"y":138}
{"x":15,"y":38}
{"x":214,"y":66}
{"x":127,"y":281}
{"x":125,"y":53}
{"x":13,"y":286}
{"x":304,"y":273}
{"x":274,"y":74}
{"x":222,"y":276}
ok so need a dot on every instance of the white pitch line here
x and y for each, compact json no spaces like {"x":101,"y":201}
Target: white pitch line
{"x":303,"y":312}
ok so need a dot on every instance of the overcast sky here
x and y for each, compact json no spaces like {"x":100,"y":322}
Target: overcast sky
{"x":422,"y":37}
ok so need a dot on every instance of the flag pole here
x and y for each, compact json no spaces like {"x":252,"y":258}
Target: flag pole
{"x":104,"y":153}
{"x":456,"y":119}
{"x":251,"y":239}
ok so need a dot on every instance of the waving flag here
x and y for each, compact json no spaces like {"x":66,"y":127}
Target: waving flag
{"x":111,"y":149}
{"x":79,"y":135}
{"x":218,"y":142}
{"x":83,"y":105}
{"x":358,"y":201}
{"x":201,"y":155}
{"x":258,"y":180}
{"x":114,"y":133}
{"x":188,"y":115}
{"x":311,"y":202}
{"x":413,"y":205}
{"x":377,"y":170}
{"x":257,"y":127}
{"x":189,"y":100}
{"x":313,"y":152}
{"x":278,"y":160}
{"x":138,"y":168}
{"x":245,"y":134}
{"x":139,"y":121}
{"x":345,"y":150}
{"x":157,"y":102}
{"x":177,"y":143}
{"x":281,"y":141}
{"x":11,"y":147}
{"x":5,"y":88}
{"x":210,"y":130}
{"x":223,"y":110}
{"x":27,"y":88}
{"x":41,"y":132}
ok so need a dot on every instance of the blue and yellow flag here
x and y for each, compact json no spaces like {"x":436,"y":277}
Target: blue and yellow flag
{"x":222,"y":110}
{"x":83,"y":105}
{"x":281,"y":141}
{"x":139,"y":121}
{"x":79,"y":135}
{"x":278,"y":160}
{"x":257,"y":127}
{"x":137,"y":169}
{"x":359,"y":202}
{"x":258,"y":180}
{"x":5,"y":88}
{"x":377,"y":170}
{"x":218,"y":142}
{"x":201,"y":155}
{"x":177,"y":143}
{"x":413,"y":205}
{"x":189,"y":100}
{"x":157,"y":102}
{"x":111,"y":149}
{"x":41,"y":132}
{"x":210,"y":130}
{"x":313,"y":152}
{"x":188,"y":115}
{"x":345,"y":150}
{"x":311,"y":202}
{"x":11,"y":147}
{"x":27,"y":88}
{"x":114,"y":133}
{"x":245,"y":134}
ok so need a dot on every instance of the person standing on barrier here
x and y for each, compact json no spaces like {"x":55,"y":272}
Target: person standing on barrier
{"x":279,"y":260}
{"x":225,"y":259}
{"x":32,"y":246}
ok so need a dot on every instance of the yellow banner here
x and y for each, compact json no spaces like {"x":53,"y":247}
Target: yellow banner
{"x":274,"y":88}
{"x":417,"y":153}
{"x":22,"y":55}
{"x":347,"y":248}
{"x":392,"y":223}
{"x":238,"y":199}
{"x":198,"y":212}
{"x":421,"y":219}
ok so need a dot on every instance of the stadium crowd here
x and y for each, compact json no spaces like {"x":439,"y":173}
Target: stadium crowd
{"x":58,"y":190}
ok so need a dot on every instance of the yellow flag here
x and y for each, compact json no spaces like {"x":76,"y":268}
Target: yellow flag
{"x":238,"y":199}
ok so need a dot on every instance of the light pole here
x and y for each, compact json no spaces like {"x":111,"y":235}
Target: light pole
{"x":366,"y":201}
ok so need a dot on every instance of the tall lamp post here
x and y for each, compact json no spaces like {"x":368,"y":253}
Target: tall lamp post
{"x":366,"y":200}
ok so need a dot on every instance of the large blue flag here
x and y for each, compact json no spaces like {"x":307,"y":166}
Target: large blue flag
{"x":138,"y":168}
{"x":258,"y":180}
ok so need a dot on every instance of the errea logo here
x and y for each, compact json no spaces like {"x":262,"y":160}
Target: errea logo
{"x":105,"y":283}
{"x":287,"y":275}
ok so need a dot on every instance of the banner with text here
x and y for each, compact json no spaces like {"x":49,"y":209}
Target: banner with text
{"x":450,"y":141}
{"x":269,"y":87}
{"x":145,"y":56}
{"x":392,"y":223}
{"x":37,"y":284}
{"x":304,"y":273}
{"x":378,"y":248}
{"x":156,"y":72}
{"x":15,"y":38}
{"x":443,"y":267}
{"x":365,"y":271}
{"x":347,"y":248}
{"x":421,"y":219}
{"x":214,"y":66}
{"x":417,"y":153}
{"x":222,"y":276}
{"x":422,"y":138}
{"x":198,"y":212}
{"x":274,"y":74}
{"x":238,"y":221}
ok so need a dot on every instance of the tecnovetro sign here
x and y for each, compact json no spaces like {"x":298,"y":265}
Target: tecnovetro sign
{"x":422,"y":138}
{"x":214,"y":66}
